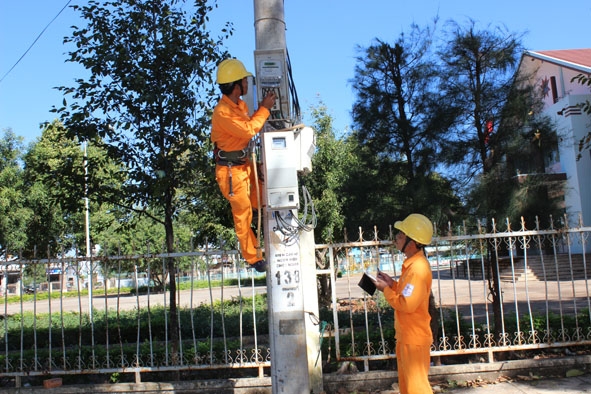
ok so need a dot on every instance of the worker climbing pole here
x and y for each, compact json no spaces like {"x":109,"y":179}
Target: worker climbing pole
{"x":287,"y":148}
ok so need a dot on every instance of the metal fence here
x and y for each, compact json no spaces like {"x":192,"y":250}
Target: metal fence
{"x":540,"y":278}
{"x":494,"y":292}
{"x":49,"y":328}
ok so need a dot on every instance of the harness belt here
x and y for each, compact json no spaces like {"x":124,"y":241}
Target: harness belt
{"x":229,"y":159}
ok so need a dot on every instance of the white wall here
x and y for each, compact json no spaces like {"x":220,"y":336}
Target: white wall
{"x":571,"y":127}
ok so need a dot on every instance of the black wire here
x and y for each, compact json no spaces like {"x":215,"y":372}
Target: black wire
{"x":31,"y":46}
{"x":286,"y":229}
{"x":290,"y":231}
{"x":292,"y":90}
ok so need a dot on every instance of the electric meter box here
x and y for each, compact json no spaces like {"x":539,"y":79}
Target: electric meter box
{"x":281,"y":157}
{"x":271,"y":75}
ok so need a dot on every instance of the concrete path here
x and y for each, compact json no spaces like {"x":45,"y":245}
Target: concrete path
{"x":571,"y":385}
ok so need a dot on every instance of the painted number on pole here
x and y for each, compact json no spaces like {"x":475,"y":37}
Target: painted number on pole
{"x":287,"y":277}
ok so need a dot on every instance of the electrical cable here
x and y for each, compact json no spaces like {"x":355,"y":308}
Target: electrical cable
{"x":36,"y":39}
{"x":291,"y":231}
{"x":284,"y":227}
{"x":303,"y":223}
{"x":293,"y":92}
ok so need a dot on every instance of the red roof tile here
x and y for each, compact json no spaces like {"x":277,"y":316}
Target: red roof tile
{"x":581,"y":57}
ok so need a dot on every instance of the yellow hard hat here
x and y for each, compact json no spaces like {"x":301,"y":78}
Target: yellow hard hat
{"x":417,"y":227}
{"x":231,"y":70}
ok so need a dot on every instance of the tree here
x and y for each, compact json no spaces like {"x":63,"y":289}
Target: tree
{"x":330,"y":164}
{"x":478,"y":79}
{"x":14,"y":214}
{"x":147,"y":103}
{"x":330,"y":173}
{"x":398,"y":121}
{"x":499,"y":132}
{"x":54,"y":182}
{"x":585,"y":142}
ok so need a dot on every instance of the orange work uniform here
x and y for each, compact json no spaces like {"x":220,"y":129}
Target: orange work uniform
{"x":409,"y":296}
{"x":231,"y":130}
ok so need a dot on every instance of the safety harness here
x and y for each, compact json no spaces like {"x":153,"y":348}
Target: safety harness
{"x":229,"y":159}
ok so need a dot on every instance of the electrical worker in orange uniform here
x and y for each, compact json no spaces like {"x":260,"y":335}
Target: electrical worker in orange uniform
{"x":409,"y":296}
{"x":231,"y":131}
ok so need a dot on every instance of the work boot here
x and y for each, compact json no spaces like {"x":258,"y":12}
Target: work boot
{"x":260,"y":266}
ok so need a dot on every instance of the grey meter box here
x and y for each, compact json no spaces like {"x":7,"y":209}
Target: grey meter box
{"x":282,"y":159}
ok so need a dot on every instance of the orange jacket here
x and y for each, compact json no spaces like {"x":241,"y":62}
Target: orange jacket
{"x":409,"y":296}
{"x":232,"y":128}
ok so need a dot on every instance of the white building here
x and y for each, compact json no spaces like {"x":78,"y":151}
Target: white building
{"x":552,"y":72}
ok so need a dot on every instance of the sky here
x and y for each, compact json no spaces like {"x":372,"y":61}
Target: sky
{"x":322,"y":38}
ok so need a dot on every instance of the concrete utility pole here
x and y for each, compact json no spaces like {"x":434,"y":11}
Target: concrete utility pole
{"x":296,"y":363}
{"x":269,"y":24}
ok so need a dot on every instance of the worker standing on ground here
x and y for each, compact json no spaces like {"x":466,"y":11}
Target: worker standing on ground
{"x":231,"y":131}
{"x":409,"y":296}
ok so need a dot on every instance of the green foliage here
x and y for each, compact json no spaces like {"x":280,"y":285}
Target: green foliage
{"x":203,"y":284}
{"x":14,"y":213}
{"x":56,"y":161}
{"x":47,"y":208}
{"x":455,"y":325}
{"x":552,"y":325}
{"x":236,"y":317}
{"x":146,"y":103}
{"x":400,"y":122}
{"x":147,"y":99}
{"x":124,"y":327}
{"x":54,"y":176}
{"x":477,"y":76}
{"x":331,"y":165}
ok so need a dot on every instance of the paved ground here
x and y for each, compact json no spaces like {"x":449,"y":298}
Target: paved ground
{"x":572,"y":385}
{"x":523,"y":385}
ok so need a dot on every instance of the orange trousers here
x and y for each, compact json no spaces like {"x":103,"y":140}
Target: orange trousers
{"x":413,"y":368}
{"x":243,"y":201}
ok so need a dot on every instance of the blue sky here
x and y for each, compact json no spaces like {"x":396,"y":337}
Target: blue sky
{"x":321,"y":37}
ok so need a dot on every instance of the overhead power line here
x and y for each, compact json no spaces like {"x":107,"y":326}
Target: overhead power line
{"x":31,"y":46}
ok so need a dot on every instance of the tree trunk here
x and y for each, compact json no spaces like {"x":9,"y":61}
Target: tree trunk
{"x":494,"y":288}
{"x":173,"y":327}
